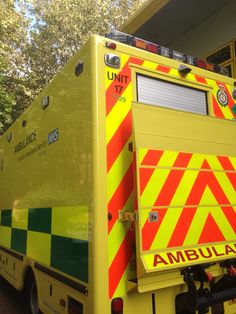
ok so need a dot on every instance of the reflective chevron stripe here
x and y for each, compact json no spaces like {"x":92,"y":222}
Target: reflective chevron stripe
{"x":119,"y":175}
{"x":193,"y":194}
{"x":120,"y":186}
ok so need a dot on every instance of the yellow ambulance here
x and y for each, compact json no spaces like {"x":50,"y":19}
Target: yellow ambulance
{"x":118,"y":185}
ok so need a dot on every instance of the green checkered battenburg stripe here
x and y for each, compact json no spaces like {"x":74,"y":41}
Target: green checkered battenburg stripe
{"x":56,"y":237}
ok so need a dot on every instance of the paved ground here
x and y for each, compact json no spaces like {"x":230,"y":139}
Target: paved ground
{"x":11,"y":301}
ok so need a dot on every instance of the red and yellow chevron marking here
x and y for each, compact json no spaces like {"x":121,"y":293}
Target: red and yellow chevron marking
{"x":119,"y":171}
{"x":219,"y":111}
{"x":120,"y":168}
{"x":120,"y":191}
{"x":194,"y":196}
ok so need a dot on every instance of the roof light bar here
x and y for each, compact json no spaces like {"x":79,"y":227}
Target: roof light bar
{"x":152,"y":48}
{"x":121,"y":37}
{"x":191,"y":60}
{"x":201,"y":63}
{"x":140,"y":43}
{"x":165,"y":52}
{"x":210,"y":66}
{"x":179,"y":56}
{"x":221,"y":70}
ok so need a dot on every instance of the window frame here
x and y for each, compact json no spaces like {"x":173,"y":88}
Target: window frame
{"x":142,"y":70}
{"x":231,"y":61}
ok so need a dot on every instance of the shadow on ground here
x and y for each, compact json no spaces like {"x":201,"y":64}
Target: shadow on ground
{"x":11,"y":301}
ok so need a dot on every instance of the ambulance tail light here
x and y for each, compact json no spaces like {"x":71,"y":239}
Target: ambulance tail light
{"x":152,"y":48}
{"x":110,"y":45}
{"x":117,"y":306}
{"x":210,"y":66}
{"x":140,"y":44}
{"x":201,"y":64}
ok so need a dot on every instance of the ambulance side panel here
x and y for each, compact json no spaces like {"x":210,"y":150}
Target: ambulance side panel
{"x":47,"y":190}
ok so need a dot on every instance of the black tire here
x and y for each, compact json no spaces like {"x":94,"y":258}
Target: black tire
{"x":32,"y":304}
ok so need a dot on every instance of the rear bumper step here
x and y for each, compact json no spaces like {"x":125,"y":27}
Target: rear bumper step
{"x":201,"y":299}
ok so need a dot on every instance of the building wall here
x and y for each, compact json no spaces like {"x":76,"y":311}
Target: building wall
{"x":215,"y":31}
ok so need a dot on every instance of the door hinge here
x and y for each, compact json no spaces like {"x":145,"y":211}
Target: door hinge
{"x":124,"y":216}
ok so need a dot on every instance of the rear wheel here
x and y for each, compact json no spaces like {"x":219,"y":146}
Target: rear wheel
{"x":32,"y":295}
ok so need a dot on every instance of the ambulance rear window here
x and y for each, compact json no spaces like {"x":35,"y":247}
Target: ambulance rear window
{"x":162,"y":93}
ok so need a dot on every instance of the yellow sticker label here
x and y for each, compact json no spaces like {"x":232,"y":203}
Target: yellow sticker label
{"x":175,"y":258}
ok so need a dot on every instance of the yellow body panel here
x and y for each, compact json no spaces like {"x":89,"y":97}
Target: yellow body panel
{"x":69,"y":171}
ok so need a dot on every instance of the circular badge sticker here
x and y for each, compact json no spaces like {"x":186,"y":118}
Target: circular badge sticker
{"x":222,"y":98}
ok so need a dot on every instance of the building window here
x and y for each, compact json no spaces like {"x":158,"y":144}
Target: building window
{"x":225,"y":56}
